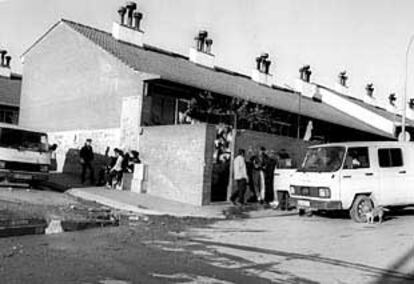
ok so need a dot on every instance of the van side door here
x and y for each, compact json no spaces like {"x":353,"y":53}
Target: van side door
{"x":357,"y":175}
{"x":393,"y":175}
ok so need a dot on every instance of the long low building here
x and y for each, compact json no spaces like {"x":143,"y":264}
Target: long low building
{"x":81,"y":82}
{"x":10,"y":88}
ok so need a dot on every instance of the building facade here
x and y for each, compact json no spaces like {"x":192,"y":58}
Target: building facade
{"x":80,"y":82}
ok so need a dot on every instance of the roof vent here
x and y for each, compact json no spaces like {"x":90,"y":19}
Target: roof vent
{"x":201,"y":53}
{"x":261,"y":73}
{"x":5,"y":70}
{"x":129,"y":27}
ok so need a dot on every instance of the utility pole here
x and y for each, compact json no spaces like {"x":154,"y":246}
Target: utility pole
{"x":404,"y":114}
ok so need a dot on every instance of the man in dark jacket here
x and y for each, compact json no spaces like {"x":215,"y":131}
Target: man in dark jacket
{"x":86,"y":158}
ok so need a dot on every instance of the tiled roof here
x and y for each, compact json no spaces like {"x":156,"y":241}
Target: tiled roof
{"x":177,"y":68}
{"x":10,"y":91}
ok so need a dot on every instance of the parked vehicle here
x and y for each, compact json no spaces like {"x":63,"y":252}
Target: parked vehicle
{"x":24,"y":155}
{"x":355,"y":176}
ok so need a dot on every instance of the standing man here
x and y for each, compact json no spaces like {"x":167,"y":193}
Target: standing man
{"x":266,"y":175}
{"x":86,"y":158}
{"x":240,"y":176}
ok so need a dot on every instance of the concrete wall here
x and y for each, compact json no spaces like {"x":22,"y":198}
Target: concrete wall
{"x":179,"y":159}
{"x":70,"y":83}
{"x":251,"y":141}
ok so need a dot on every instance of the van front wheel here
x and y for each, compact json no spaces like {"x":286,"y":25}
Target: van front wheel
{"x":361,"y":205}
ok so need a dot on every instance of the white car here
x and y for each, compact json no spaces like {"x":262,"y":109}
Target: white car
{"x":355,"y":176}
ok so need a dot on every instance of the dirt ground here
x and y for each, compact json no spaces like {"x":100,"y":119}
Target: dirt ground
{"x":126,"y":254}
{"x":254,"y":248}
{"x":318,"y":249}
{"x":19,"y":203}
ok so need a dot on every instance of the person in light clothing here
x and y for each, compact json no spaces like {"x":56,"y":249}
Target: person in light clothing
{"x":240,"y":176}
{"x":115,"y":173}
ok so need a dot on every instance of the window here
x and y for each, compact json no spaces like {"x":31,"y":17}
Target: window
{"x":8,"y":116}
{"x":323,"y":159}
{"x":357,"y":158}
{"x":389,"y":158}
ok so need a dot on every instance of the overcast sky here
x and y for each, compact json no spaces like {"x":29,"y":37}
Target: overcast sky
{"x":367,"y":38}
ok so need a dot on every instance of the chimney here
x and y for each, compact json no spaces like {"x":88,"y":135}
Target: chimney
{"x":392,"y":98}
{"x":341,"y":86}
{"x":370,"y":90}
{"x":5,"y":70}
{"x":410,"y":109}
{"x":201,"y":53}
{"x":369,"y":96}
{"x":129,"y":28}
{"x":130,"y":8}
{"x":305,"y":73}
{"x":261,"y":73}
{"x":343,"y":78}
{"x":305,"y":87}
{"x":122,"y":11}
{"x":209,"y":43}
{"x":137,"y":20}
{"x":3,"y":55}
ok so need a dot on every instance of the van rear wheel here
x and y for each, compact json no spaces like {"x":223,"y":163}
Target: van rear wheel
{"x":361,"y":205}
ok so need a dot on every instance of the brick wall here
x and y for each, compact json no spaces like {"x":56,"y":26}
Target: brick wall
{"x":179,"y":161}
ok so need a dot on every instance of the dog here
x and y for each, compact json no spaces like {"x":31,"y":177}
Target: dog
{"x":375,"y":212}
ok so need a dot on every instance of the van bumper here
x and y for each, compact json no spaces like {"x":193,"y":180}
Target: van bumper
{"x":303,"y":203}
{"x":27,"y":177}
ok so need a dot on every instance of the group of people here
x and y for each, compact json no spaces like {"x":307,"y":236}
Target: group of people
{"x":111,"y":173}
{"x":257,"y":174}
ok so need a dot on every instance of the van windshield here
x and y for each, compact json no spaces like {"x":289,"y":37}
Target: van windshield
{"x":323,"y":159}
{"x":23,"y":140}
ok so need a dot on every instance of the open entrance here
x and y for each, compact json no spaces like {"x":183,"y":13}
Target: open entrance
{"x":221,"y":163}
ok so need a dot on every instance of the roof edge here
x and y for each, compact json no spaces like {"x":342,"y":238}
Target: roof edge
{"x":40,"y":38}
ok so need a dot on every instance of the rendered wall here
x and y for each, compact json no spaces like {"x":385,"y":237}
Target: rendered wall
{"x":70,"y":142}
{"x":70,"y":83}
{"x":179,"y":159}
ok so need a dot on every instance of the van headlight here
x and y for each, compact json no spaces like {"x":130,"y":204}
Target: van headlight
{"x":44,"y":168}
{"x":2,"y":164}
{"x":324,"y":192}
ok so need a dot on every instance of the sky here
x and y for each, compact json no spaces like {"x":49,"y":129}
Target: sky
{"x":367,"y":38}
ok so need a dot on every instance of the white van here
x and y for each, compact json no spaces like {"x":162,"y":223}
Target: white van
{"x":355,"y":176}
{"x":24,"y":155}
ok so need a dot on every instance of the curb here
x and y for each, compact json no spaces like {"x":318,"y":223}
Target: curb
{"x":132,"y":208}
{"x":112,"y":203}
